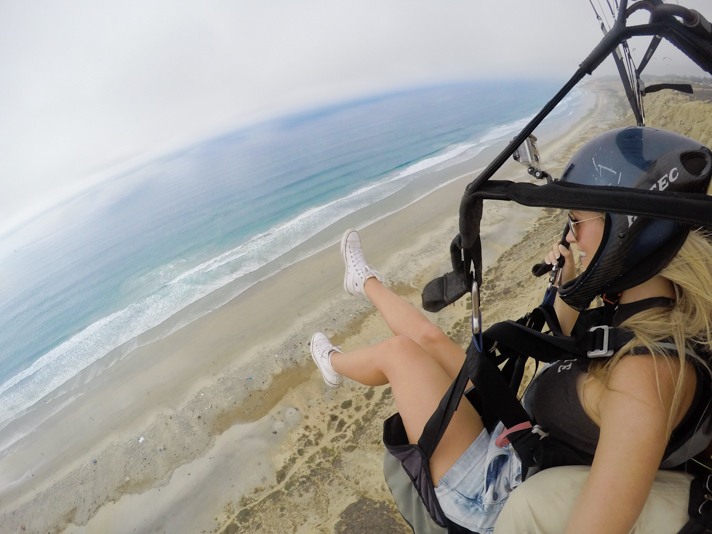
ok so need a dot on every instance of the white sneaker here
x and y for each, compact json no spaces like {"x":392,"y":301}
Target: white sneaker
{"x":321,"y":349}
{"x":357,"y":270}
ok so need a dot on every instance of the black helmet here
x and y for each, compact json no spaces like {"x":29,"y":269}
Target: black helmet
{"x":634,"y":249}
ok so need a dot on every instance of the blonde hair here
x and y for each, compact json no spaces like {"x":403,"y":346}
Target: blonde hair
{"x":688,"y":323}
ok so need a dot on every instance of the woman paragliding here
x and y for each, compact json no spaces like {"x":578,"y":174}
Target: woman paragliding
{"x":642,"y":405}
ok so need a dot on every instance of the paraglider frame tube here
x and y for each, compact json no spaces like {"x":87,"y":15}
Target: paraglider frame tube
{"x":617,"y":35}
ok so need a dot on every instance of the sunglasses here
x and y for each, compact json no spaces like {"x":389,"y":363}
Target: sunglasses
{"x":573,"y":222}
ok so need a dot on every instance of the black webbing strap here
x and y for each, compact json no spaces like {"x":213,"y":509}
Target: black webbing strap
{"x":688,"y":208}
{"x":448,"y":288}
{"x":496,"y":398}
{"x":596,"y":342}
{"x":681,"y":87}
{"x":497,"y":401}
{"x":466,"y":259}
{"x":439,"y":421}
{"x":700,"y":506}
{"x":514,"y":367}
{"x":522,"y":340}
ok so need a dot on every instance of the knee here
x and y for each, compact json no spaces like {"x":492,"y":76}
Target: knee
{"x":402,"y":346}
{"x":430,"y":337}
{"x":402,"y":350}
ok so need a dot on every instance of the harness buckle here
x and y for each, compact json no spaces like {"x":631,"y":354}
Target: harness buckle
{"x":503,"y":439}
{"x":536,"y":429}
{"x":604,"y":351}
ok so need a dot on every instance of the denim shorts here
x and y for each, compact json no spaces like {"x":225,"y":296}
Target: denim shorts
{"x":473,"y":491}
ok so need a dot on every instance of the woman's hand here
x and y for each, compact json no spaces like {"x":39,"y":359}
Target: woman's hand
{"x":568,"y":269}
{"x":567,"y":316}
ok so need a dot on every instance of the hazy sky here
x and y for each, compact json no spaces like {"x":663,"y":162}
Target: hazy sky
{"x":86,"y":85}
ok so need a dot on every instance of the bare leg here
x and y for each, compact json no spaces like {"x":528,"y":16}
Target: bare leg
{"x":418,"y":383}
{"x":420,"y":362}
{"x":404,"y":319}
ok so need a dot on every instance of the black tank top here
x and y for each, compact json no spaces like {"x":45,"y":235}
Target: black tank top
{"x":553,"y":402}
{"x":552,"y":397}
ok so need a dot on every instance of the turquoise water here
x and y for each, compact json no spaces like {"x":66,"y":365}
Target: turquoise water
{"x":127,"y":254}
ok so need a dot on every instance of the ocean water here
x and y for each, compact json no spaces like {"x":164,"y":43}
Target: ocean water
{"x":124,"y":256}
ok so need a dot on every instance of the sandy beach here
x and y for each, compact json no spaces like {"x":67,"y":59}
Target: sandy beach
{"x":225,"y":425}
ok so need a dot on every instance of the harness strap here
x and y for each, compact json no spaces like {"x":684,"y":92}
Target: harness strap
{"x":440,"y":419}
{"x":466,"y":259}
{"x":595,"y":342}
{"x":503,"y":440}
{"x":495,"y":396}
{"x":498,"y":398}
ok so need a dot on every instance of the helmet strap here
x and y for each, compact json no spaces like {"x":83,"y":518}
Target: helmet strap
{"x":610,"y":303}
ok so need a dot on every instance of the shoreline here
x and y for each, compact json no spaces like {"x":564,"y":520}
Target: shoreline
{"x":238,"y":383}
{"x":419,"y":183}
